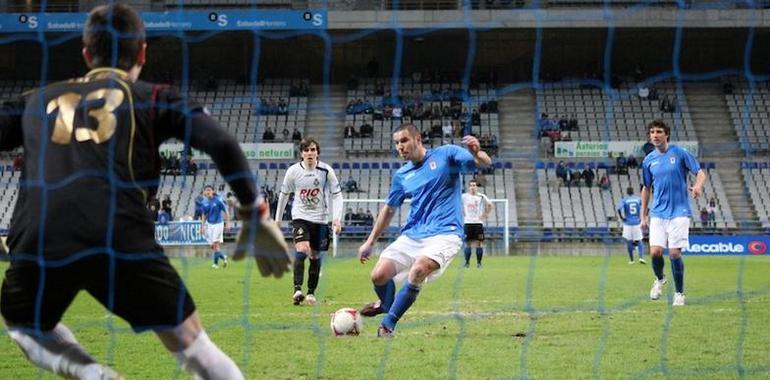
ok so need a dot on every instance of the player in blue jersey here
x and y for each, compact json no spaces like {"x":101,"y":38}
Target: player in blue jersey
{"x":664,"y":174}
{"x":629,"y":210}
{"x":212,"y":224}
{"x":433,"y":232}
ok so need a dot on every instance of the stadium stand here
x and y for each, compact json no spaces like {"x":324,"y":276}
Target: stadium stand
{"x":749,"y":107}
{"x":427,"y":105}
{"x":601,"y":116}
{"x":757,"y":177}
{"x":572,"y":211}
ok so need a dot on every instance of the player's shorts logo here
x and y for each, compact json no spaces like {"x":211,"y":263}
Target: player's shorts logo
{"x":757,"y":247}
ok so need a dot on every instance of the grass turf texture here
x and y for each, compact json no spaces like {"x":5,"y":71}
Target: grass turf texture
{"x":539,"y":317}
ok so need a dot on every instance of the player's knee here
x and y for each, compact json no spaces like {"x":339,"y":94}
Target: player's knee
{"x":379,"y":277}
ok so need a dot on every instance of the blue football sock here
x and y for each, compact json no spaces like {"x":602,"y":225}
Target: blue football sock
{"x":467,"y":253}
{"x":386,"y":293}
{"x":677,"y":269}
{"x":479,"y":254}
{"x":657,"y":266}
{"x":404,"y":299}
{"x":630,"y":249}
{"x":641,"y":249}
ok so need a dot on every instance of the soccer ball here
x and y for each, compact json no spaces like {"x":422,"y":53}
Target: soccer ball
{"x":346,"y":321}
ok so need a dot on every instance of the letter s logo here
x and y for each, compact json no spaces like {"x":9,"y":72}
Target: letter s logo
{"x":32,"y":22}
{"x":318,"y":19}
{"x":222,"y":20}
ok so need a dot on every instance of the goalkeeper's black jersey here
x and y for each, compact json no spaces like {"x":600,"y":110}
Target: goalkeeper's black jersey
{"x":91,"y":161}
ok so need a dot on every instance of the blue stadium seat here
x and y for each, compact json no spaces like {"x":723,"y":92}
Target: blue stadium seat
{"x":509,"y":165}
{"x":550,"y":165}
{"x":498,"y":165}
{"x":356,"y":165}
{"x":375,"y":165}
{"x":335,"y":165}
{"x":364,"y":165}
{"x":273,"y":166}
{"x":581,"y":165}
{"x":262,"y":166}
{"x":345,"y":165}
{"x":540,"y":165}
{"x":396,"y":165}
{"x":386,"y":165}
{"x":282,"y":166}
{"x":764,"y":165}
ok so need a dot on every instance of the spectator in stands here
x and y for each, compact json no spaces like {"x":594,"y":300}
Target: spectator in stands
{"x":285,"y":133}
{"x":621,"y":164}
{"x":296,"y":136}
{"x":368,"y":219}
{"x":366,"y":130}
{"x":563,"y":123}
{"x":588,"y":176}
{"x":163,"y":217}
{"x":562,"y":172}
{"x":198,"y":206}
{"x":349,"y":217}
{"x":268,"y":135}
{"x":572,"y":123}
{"x":18,"y":162}
{"x":712,"y":210}
{"x":283,"y":107}
{"x":632,"y":163}
{"x":644,"y":92}
{"x":176,"y":164}
{"x":475,"y":117}
{"x":604,"y":182}
{"x":704,"y":217}
{"x":397,"y":112}
{"x":727,"y":88}
{"x":350,"y":132}
{"x":351,"y":186}
{"x":446,"y":129}
{"x":153,"y":205}
{"x":166,"y":205}
{"x":574,"y":176}
{"x":360,"y":217}
{"x":647,"y":148}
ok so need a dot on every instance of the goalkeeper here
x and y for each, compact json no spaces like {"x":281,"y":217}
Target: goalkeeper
{"x":80,"y":222}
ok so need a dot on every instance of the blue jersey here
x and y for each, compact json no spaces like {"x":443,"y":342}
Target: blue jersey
{"x":213,"y":209}
{"x":666,"y":173}
{"x":631,"y":209}
{"x":435,"y":190}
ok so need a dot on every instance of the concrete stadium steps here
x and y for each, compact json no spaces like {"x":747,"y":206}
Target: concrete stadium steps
{"x":325,"y":120}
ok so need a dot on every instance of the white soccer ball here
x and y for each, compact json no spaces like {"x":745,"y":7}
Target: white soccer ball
{"x":347,"y":321}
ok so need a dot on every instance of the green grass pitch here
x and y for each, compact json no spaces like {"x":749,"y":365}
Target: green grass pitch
{"x":517,"y":317}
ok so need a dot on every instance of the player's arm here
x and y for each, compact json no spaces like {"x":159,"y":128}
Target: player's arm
{"x":645,"y":195}
{"x":487,"y":208}
{"x":10,"y":125}
{"x":480,"y":157}
{"x":336,"y":202}
{"x":382,"y":222}
{"x":696,"y":188}
{"x":283,"y":200}
{"x":619,"y":210}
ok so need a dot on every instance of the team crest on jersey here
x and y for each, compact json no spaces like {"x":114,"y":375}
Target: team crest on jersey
{"x":316,"y":182}
{"x":432,"y":165}
{"x":672,"y":159}
{"x":300,"y":231}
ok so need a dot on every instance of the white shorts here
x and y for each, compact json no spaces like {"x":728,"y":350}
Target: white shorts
{"x":405,"y":251}
{"x":632,"y":233}
{"x":215,"y":232}
{"x":670,"y":233}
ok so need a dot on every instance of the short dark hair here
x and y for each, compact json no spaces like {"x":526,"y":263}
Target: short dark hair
{"x":473,"y":181}
{"x":105,"y":24}
{"x":409,"y":127}
{"x":630,"y":190}
{"x":658,"y":123}
{"x":306,"y":142}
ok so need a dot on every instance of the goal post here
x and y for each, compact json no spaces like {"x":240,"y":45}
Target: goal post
{"x":497,"y":225}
